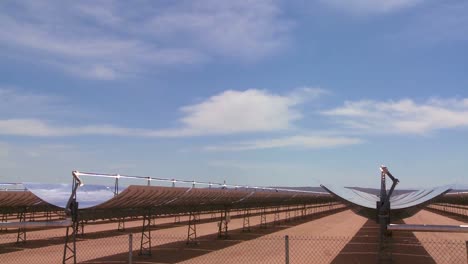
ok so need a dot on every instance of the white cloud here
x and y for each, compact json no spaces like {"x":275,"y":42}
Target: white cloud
{"x":403,"y":116}
{"x":229,"y":112}
{"x":371,"y":6}
{"x":106,"y":40}
{"x":306,"y":142}
{"x":242,"y":111}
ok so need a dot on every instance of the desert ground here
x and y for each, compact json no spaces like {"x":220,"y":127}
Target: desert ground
{"x":337,"y":236}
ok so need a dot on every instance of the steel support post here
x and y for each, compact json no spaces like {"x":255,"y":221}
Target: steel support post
{"x":121,"y":224}
{"x":192,"y":229}
{"x":48,"y":215}
{"x":80,"y":229}
{"x":276,"y":220}
{"x":223,"y":224}
{"x":287,"y":216}
{"x":286,"y":249}
{"x":71,"y":210}
{"x":263,"y":221}
{"x":4,"y":219}
{"x":130,"y":248}
{"x":69,"y":251}
{"x":177,"y":218}
{"x":21,"y":237}
{"x":116,"y":186}
{"x":145,"y":242}
{"x":153,"y":221}
{"x":32,"y":216}
{"x":303,"y":211}
{"x":246,"y":221}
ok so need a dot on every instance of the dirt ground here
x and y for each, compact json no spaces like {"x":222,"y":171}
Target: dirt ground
{"x":337,"y":237}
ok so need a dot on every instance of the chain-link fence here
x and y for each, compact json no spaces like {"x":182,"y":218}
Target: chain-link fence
{"x":246,"y":248}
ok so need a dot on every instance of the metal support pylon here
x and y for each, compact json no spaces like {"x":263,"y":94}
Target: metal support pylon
{"x":223,"y":224}
{"x":69,"y":251}
{"x":153,"y":221}
{"x":276,"y":219}
{"x":121,"y":224}
{"x":71,"y":211}
{"x":48,"y":215}
{"x":287,"y":216}
{"x":80,"y":228}
{"x":4,"y":219}
{"x":192,"y":229}
{"x":21,"y":237}
{"x":263,"y":222}
{"x":177,"y":218}
{"x":32,"y":216}
{"x":145,"y":243}
{"x":246,"y":221}
{"x":304,"y":211}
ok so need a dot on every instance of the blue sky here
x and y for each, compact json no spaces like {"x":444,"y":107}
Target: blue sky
{"x":289,"y":93}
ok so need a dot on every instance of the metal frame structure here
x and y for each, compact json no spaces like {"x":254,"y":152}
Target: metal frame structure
{"x":145,"y":242}
{"x":71,"y":210}
{"x":192,"y":229}
{"x":150,"y":201}
{"x":246,"y":220}
{"x":223,"y":224}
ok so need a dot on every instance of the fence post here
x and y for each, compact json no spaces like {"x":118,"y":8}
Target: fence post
{"x":286,"y":245}
{"x":466,"y":243}
{"x":130,"y":248}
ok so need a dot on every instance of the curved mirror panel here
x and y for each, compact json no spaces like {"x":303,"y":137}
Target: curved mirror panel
{"x":58,"y":194}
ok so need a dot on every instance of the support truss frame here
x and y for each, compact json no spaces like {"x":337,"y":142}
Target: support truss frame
{"x":192,"y":229}
{"x":223,"y":224}
{"x":246,"y":220}
{"x":145,"y":241}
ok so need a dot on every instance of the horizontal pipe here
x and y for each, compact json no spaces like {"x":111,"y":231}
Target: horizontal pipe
{"x":118,"y":176}
{"x":62,"y":223}
{"x":428,"y":228}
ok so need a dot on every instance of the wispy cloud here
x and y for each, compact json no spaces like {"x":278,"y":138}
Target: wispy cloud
{"x":371,"y":6}
{"x":105,"y":40}
{"x":445,"y":22}
{"x":15,"y":104}
{"x":403,"y":116}
{"x":3,"y":150}
{"x":40,"y":128}
{"x":302,"y":142}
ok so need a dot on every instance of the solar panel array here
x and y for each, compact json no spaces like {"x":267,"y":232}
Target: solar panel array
{"x":97,"y":201}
